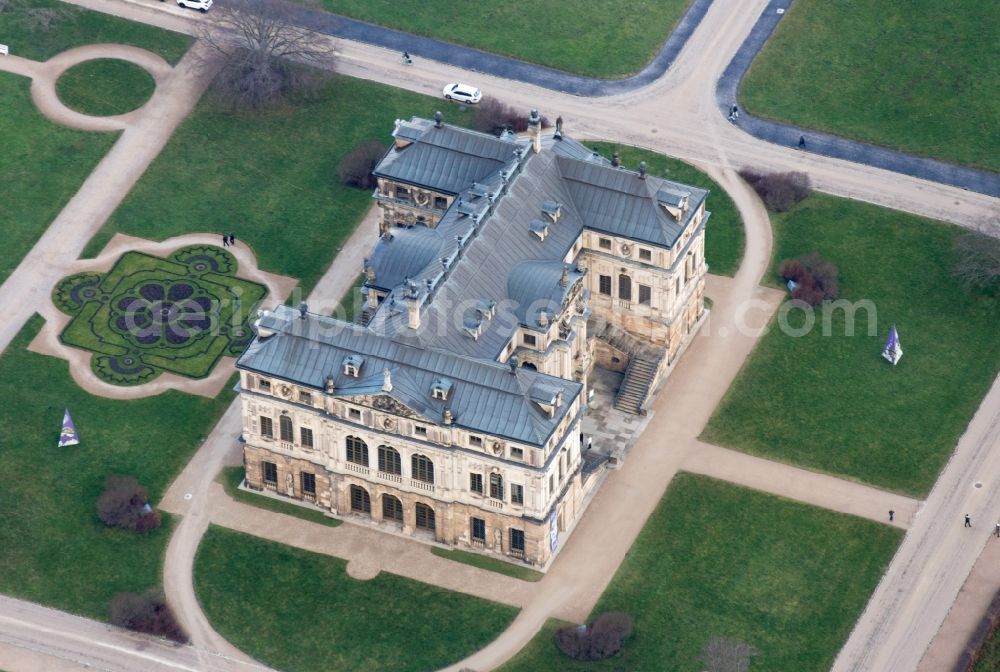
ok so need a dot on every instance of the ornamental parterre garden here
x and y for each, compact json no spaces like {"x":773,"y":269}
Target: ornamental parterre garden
{"x":148,"y":315}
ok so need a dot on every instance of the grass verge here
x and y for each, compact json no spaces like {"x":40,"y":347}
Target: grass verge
{"x":831,"y":403}
{"x":897,"y":73}
{"x":724,"y":239}
{"x":53,"y":548}
{"x":387,"y":623}
{"x":105,"y":87}
{"x":43,"y":166}
{"x":40,"y":29}
{"x":489,"y":564}
{"x":270,"y":178}
{"x":232,"y":477}
{"x":717,"y":560}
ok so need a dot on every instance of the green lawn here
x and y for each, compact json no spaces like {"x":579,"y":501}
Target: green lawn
{"x":232,"y":477}
{"x":989,"y":660}
{"x":832,"y":403}
{"x":717,"y":560}
{"x":488,"y":563}
{"x":270,"y":178}
{"x":724,"y":238}
{"x":301,"y":612}
{"x":914,"y":75}
{"x":53,"y":548}
{"x":43,"y":166}
{"x":40,"y":29}
{"x":105,"y":87}
{"x":600,"y":38}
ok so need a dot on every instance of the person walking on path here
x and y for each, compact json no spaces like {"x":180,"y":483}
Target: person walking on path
{"x":225,"y":240}
{"x":802,"y":142}
{"x":968,"y":521}
{"x":232,"y":239}
{"x":891,"y":514}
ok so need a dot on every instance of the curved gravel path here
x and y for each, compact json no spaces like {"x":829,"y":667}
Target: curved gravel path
{"x":817,"y":142}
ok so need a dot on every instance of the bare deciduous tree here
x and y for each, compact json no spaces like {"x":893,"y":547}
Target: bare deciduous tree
{"x":977,"y":257}
{"x":262,"y":52}
{"x":722,"y":654}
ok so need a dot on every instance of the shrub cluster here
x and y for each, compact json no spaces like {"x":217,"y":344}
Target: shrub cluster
{"x":492,"y":116}
{"x":146,"y":612}
{"x":817,"y":279}
{"x":601,"y":639}
{"x":125,"y":504}
{"x":779,"y":191}
{"x":355,"y":169}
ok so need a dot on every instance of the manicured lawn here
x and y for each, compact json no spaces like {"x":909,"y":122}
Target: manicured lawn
{"x":53,"y":548}
{"x":105,"y":87}
{"x":601,"y":38}
{"x":990,"y":654}
{"x":908,"y":74}
{"x":232,"y":477}
{"x":42,"y":166}
{"x":269,"y":178}
{"x":302,"y":613}
{"x":831,"y":403}
{"x":724,"y":239}
{"x":22,"y":27}
{"x":487,"y":563}
{"x":717,"y":560}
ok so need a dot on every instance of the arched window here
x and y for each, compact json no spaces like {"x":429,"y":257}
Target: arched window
{"x":389,"y":461}
{"x":529,"y":365}
{"x":496,"y":486}
{"x":357,"y":451}
{"x":422,"y":468}
{"x":285,"y":425}
{"x":392,"y":508}
{"x":624,"y":287}
{"x":361,"y":502}
{"x":425,"y":517}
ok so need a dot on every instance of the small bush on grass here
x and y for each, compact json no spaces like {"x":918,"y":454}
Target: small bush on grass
{"x":124,"y":504}
{"x":355,"y":169}
{"x":146,"y":612}
{"x":601,"y":639}
{"x":779,"y":191}
{"x":493,"y":116}
{"x":817,"y":279}
{"x":977,"y":258}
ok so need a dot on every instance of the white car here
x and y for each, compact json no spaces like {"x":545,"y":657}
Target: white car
{"x":201,"y":5}
{"x":463,"y":93}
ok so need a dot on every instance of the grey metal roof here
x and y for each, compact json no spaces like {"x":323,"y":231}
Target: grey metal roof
{"x":484,"y":397}
{"x":403,"y":254}
{"x":446,"y":159}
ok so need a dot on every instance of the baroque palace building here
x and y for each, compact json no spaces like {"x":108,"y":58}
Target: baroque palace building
{"x":505,"y":270}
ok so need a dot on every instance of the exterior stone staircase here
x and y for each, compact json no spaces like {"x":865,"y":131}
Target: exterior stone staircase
{"x":644,"y":361}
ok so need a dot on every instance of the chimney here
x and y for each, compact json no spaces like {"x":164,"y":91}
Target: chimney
{"x":329,"y":383}
{"x":535,"y":131}
{"x":543,"y":319}
{"x":558,"y":134}
{"x":386,"y":380}
{"x":303,"y":309}
{"x":616,"y":160}
{"x":413,"y":311}
{"x":437,"y":119}
{"x":642,"y":170}
{"x":448,"y":417}
{"x":564,"y":280}
{"x":512,"y":363}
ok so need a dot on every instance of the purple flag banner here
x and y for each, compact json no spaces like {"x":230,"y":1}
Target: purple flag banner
{"x":892,"y":350}
{"x":68,"y":435}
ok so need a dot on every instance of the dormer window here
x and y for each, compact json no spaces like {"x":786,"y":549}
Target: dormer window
{"x":552,"y":210}
{"x":547,"y":397}
{"x":487,"y":309}
{"x":352,"y":365}
{"x":539,"y":229}
{"x":473,"y":326}
{"x":441,"y":388}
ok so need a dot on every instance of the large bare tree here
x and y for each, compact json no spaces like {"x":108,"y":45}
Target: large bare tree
{"x":262,"y":52}
{"x":977,"y":257}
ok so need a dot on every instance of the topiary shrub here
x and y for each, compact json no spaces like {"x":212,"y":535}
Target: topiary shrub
{"x":601,"y":639}
{"x":779,"y":191}
{"x":146,"y":612}
{"x":816,"y":278}
{"x":125,"y":504}
{"x":355,"y":169}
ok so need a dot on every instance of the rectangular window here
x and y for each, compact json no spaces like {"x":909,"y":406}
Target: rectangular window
{"x":305,"y":398}
{"x":645,"y":294}
{"x":479,"y":529}
{"x":604,"y":243}
{"x":270,"y":472}
{"x":267,"y":426}
{"x":354,"y":414}
{"x":516,"y":494}
{"x":263,"y":385}
{"x":605,"y":285}
{"x":307,"y":437}
{"x":529,"y":340}
{"x":285,"y":428}
{"x":440,"y":202}
{"x":403,"y":193}
{"x":496,"y":486}
{"x":516,"y":540}
{"x":420,"y":431}
{"x":476,"y":483}
{"x":552,"y":484}
{"x":476,"y":441}
{"x":517,"y":453}
{"x":645,"y":255}
{"x":308,"y":483}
